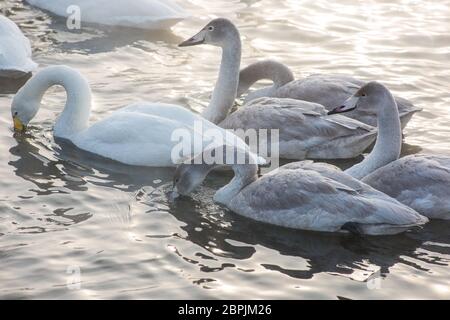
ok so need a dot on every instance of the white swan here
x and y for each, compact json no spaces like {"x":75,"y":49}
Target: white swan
{"x":305,"y":129}
{"x":421,"y":182}
{"x":304,"y":195}
{"x":327,"y":90}
{"x":139,"y":134}
{"x":144,"y":14}
{"x":15,"y":51}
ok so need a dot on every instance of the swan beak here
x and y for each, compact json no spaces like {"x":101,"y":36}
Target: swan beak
{"x":349,"y":105}
{"x":174,"y":194}
{"x":18,"y":125}
{"x":199,"y":38}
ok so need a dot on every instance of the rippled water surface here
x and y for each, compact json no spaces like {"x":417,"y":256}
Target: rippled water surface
{"x":62,"y":210}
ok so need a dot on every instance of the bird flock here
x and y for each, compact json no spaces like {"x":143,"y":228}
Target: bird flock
{"x":320,"y":117}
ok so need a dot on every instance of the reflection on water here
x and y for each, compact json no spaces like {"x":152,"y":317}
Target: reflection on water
{"x":62,"y":208}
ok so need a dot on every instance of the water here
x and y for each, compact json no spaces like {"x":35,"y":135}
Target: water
{"x":64,"y":211}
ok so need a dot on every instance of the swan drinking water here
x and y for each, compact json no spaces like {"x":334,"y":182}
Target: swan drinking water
{"x":15,"y":51}
{"x":421,"y":182}
{"x":305,"y":130}
{"x":304,"y":195}
{"x":327,"y":90}
{"x":144,"y":14}
{"x":139,"y":134}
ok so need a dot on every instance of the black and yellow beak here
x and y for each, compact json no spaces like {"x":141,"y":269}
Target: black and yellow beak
{"x":18,"y":124}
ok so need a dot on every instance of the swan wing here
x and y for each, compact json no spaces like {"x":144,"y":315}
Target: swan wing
{"x":304,"y":198}
{"x":145,"y":134}
{"x":332,"y":90}
{"x":305,"y":131}
{"x":419,"y":181}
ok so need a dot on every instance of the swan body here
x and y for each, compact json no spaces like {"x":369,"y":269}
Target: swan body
{"x":305,"y":130}
{"x":421,"y":182}
{"x":305,"y":195}
{"x":327,"y":90}
{"x":15,"y":51}
{"x":139,"y":134}
{"x":143,"y":14}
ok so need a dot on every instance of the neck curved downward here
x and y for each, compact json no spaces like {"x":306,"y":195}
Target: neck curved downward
{"x":389,"y":139}
{"x":275,"y":71}
{"x":224,"y":93}
{"x":244,"y":174}
{"x":75,"y":115}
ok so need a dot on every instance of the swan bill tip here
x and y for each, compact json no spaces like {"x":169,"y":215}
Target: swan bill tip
{"x":191,"y":42}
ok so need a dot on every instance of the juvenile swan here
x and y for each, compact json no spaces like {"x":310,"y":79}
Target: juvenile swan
{"x":304,"y":195}
{"x":139,"y":134}
{"x":305,"y":130}
{"x":15,"y":51}
{"x":421,"y":182}
{"x":327,"y":90}
{"x":389,"y":139}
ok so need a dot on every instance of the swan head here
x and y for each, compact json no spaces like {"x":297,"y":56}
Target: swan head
{"x":371,"y":94}
{"x":23,"y":109}
{"x":189,"y":177}
{"x":218,"y":33}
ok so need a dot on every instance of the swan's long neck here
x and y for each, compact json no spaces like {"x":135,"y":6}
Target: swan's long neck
{"x":225,"y":90}
{"x":74,"y":118}
{"x":277,"y":72}
{"x":244,"y":174}
{"x":389,"y":140}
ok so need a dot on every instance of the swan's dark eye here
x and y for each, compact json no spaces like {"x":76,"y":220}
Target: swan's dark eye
{"x":211,"y":28}
{"x":15,"y":113}
{"x":363,"y":95}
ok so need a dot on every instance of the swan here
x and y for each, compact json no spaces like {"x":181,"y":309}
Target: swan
{"x":303,"y":195}
{"x":15,"y":51}
{"x":139,"y":134}
{"x":143,"y":14}
{"x":327,"y":90}
{"x":305,"y":130}
{"x":421,"y":181}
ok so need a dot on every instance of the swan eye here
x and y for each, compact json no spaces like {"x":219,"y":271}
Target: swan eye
{"x":211,"y":28}
{"x":363,"y":95}
{"x":15,"y":113}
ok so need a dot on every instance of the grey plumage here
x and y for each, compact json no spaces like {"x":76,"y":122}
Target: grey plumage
{"x":328,"y":90}
{"x":421,"y":182}
{"x":305,"y":130}
{"x":317,"y":196}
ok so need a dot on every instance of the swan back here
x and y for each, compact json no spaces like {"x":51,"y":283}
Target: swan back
{"x":15,"y":51}
{"x":305,"y":130}
{"x":320,"y":197}
{"x":421,"y":182}
{"x":145,"y":14}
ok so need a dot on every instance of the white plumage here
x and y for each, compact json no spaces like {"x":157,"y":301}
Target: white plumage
{"x":15,"y":51}
{"x":139,"y":134}
{"x":144,"y":14}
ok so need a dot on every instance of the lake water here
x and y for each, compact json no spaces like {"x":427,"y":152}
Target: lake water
{"x":64,"y":212}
